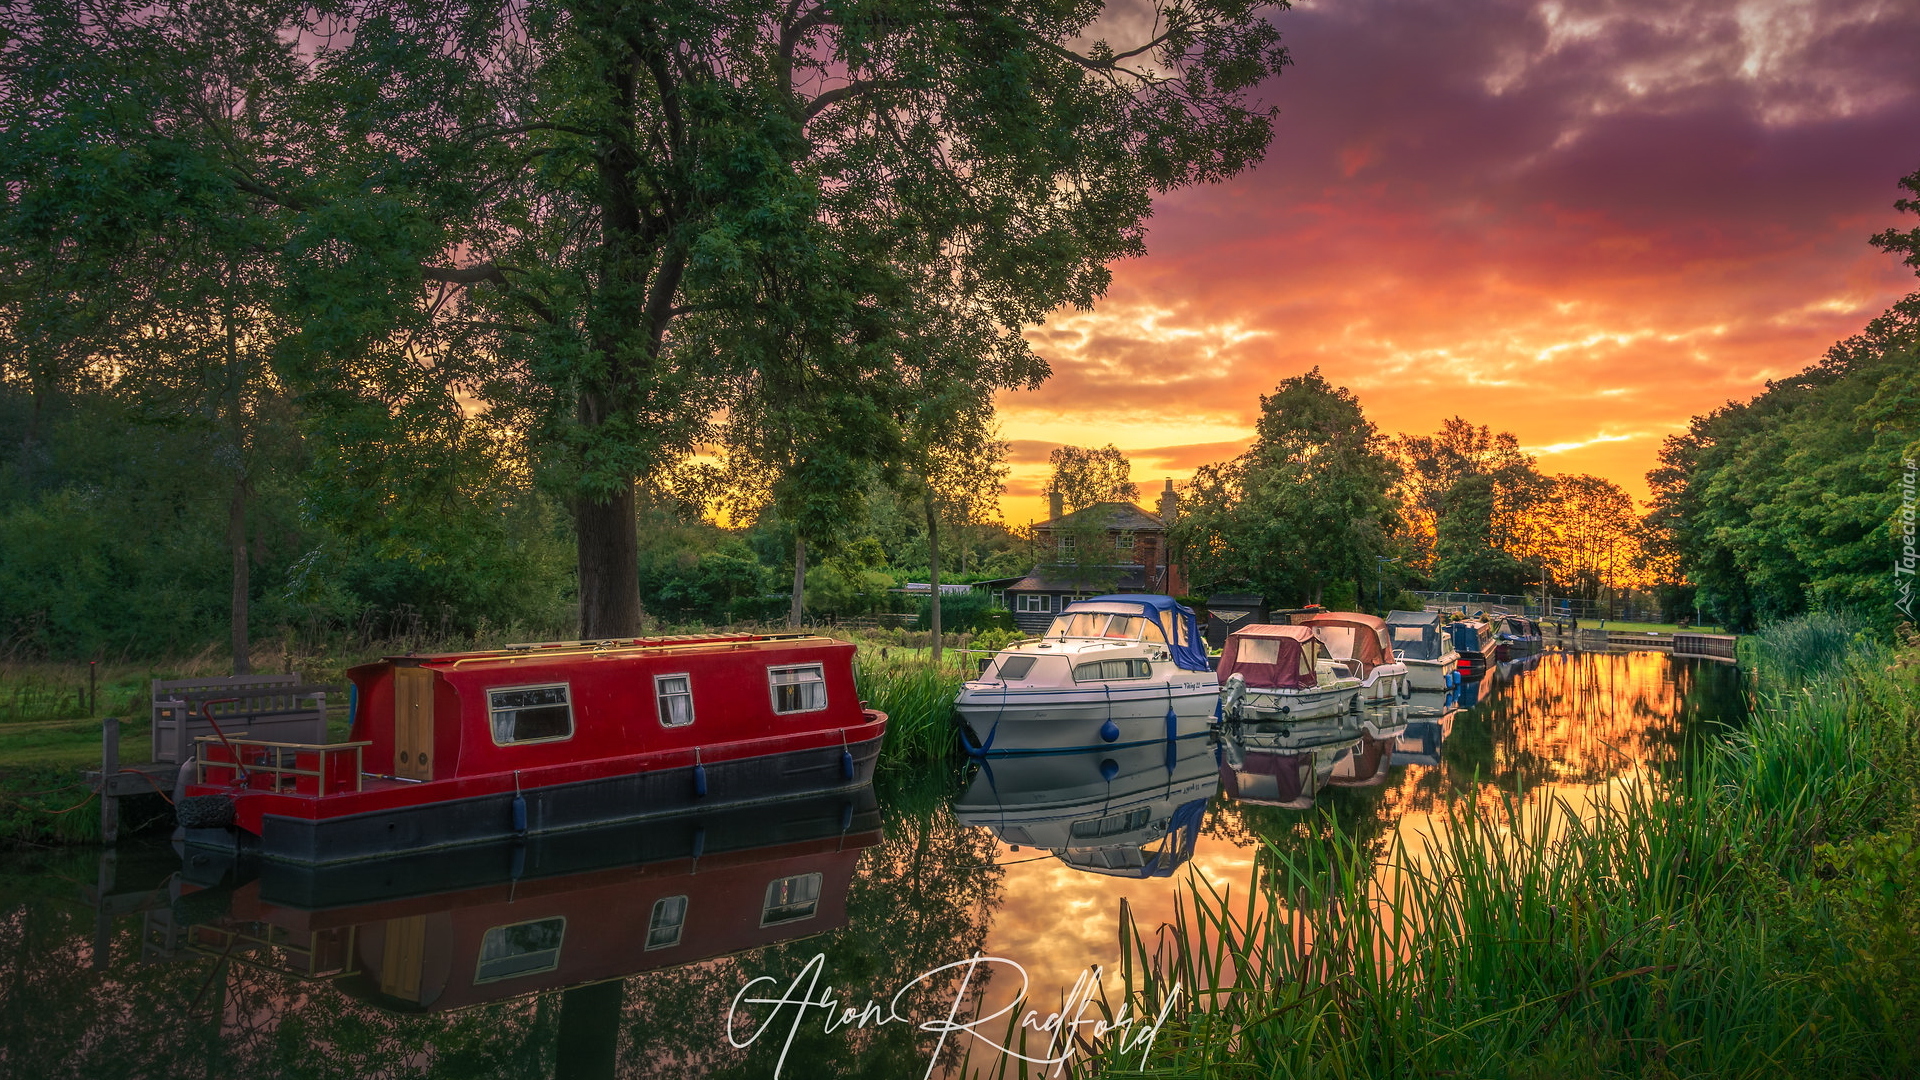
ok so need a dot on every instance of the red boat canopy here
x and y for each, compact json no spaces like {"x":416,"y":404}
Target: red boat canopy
{"x":1271,"y":657}
{"x":1351,"y":635}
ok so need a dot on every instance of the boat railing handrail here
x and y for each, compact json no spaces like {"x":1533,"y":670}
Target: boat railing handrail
{"x":545,"y":650}
{"x":270,"y":765}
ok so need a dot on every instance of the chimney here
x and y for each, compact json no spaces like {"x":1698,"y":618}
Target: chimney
{"x":1056,"y":507}
{"x":1169,"y":504}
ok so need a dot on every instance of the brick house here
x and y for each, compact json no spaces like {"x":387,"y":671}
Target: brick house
{"x":1131,"y":557}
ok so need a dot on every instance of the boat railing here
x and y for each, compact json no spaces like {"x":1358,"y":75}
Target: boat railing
{"x":316,"y":954}
{"x":312,"y":769}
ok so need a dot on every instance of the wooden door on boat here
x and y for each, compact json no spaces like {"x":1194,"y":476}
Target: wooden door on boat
{"x":413,"y":723}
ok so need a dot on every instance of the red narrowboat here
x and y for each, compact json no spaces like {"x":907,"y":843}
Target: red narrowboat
{"x":466,"y":748}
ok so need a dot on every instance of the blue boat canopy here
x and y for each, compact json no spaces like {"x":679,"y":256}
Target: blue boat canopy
{"x":1182,"y":628}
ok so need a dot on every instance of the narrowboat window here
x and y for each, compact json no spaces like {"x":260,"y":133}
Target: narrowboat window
{"x":669,"y":917}
{"x":1015,"y":667}
{"x":798,"y":689}
{"x":790,"y":899}
{"x":1110,"y":670}
{"x":1111,"y":824}
{"x":674,"y":695}
{"x":528,"y":948}
{"x":530,"y":714}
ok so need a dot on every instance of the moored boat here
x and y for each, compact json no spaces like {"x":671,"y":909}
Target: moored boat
{"x":1420,"y":641}
{"x":1360,"y":642}
{"x":1473,"y":639}
{"x":1280,"y":674}
{"x":1111,"y":671}
{"x":1518,"y":636}
{"x":468,"y":748}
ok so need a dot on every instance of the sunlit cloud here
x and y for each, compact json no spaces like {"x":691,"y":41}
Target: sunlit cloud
{"x":1582,"y":221}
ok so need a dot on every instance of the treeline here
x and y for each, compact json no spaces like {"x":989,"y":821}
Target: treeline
{"x":1793,"y":501}
{"x":1323,"y":508}
{"x":444,"y":276}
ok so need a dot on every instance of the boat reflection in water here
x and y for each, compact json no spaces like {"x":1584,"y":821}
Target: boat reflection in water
{"x":1429,"y":722}
{"x":1127,"y":811}
{"x":429,"y":934}
{"x":1289,"y":765}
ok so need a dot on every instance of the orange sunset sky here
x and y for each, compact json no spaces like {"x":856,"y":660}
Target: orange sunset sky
{"x":1582,"y":221}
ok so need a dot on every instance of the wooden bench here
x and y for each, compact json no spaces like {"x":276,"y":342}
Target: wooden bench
{"x":272,"y":707}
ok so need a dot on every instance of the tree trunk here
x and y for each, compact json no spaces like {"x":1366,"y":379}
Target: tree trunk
{"x":588,"y":1042}
{"x":237,"y":544}
{"x":799,"y":583}
{"x":933,"y":567}
{"x":609,"y":566}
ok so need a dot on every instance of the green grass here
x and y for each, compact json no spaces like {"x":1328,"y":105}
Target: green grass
{"x":1754,"y":916}
{"x":1646,"y":627}
{"x":918,"y":700}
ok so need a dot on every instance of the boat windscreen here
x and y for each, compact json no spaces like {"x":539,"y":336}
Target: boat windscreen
{"x":1416,"y":642}
{"x":1100,"y":624}
{"x":1341,"y":640}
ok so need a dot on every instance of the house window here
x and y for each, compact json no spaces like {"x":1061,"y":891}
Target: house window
{"x":1065,"y":544}
{"x":530,"y":714}
{"x":674,"y":696}
{"x":1040,"y":602}
{"x":669,"y":916}
{"x":790,"y":899}
{"x":798,"y":689}
{"x":1123,"y":542}
{"x":997,"y":598}
{"x":528,"y":948}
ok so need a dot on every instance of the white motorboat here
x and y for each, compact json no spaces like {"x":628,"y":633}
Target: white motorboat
{"x":1112,"y":671}
{"x":1360,"y":641}
{"x":1279,"y":674}
{"x":1421,"y":642}
{"x":1128,"y":812}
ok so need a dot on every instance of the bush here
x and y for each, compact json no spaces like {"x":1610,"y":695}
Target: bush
{"x":960,"y":613}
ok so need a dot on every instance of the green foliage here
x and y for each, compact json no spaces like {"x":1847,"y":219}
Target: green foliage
{"x":1083,"y":476}
{"x":918,"y":700}
{"x":1791,"y":501}
{"x":965,"y":613}
{"x":1307,"y":506}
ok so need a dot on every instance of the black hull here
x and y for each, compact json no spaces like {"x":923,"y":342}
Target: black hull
{"x":560,"y":808}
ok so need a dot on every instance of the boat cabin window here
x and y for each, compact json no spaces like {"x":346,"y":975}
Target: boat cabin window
{"x":1015,"y":667}
{"x":1113,"y":858}
{"x":530,"y":714}
{"x":673,"y":694}
{"x":1266,"y":650}
{"x":1414,"y":643}
{"x":790,"y":899}
{"x":1111,"y":824}
{"x":1109,"y":670}
{"x":1099,"y":624}
{"x":798,"y":689}
{"x":664,"y":926}
{"x":528,"y":948}
{"x":1342,"y":641}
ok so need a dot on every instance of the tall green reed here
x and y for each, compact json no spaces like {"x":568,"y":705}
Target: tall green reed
{"x":918,"y":700}
{"x":1649,"y":932}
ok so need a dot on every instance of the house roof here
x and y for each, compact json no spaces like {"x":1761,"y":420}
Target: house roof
{"x":1060,"y":580}
{"x":1111,"y":515}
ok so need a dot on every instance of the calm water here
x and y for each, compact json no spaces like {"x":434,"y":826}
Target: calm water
{"x":472,"y":967}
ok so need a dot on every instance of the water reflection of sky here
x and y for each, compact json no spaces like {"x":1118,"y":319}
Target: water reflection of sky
{"x":923,"y":886}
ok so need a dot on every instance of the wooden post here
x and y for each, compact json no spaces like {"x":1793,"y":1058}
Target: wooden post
{"x":93,"y":694}
{"x":102,"y":914}
{"x":109,"y":768}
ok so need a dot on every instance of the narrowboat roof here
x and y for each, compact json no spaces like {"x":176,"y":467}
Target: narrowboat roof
{"x":611,"y":648}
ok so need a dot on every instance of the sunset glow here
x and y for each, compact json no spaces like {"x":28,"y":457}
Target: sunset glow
{"x":1583,"y":222}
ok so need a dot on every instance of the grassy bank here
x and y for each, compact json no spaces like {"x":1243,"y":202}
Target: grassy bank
{"x":1754,"y":916}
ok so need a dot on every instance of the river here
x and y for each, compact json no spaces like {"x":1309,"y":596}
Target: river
{"x":830,"y":938}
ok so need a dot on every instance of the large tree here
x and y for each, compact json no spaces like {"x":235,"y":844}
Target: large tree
{"x":594,"y":193}
{"x":1083,"y":476}
{"x":1307,"y":505}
